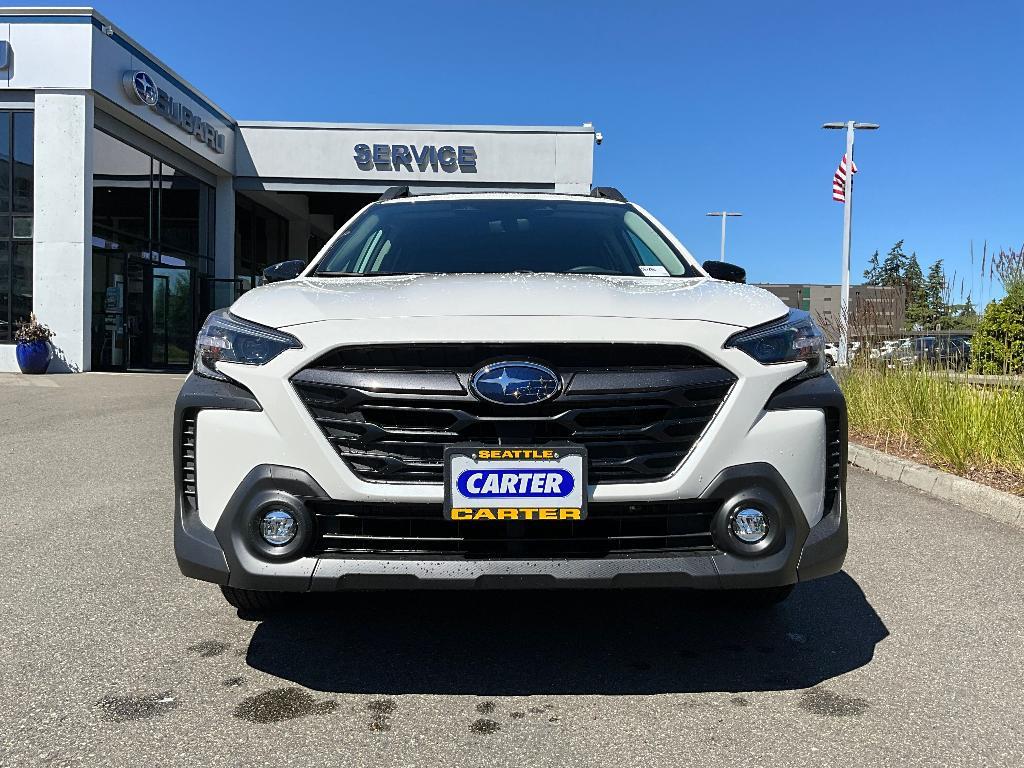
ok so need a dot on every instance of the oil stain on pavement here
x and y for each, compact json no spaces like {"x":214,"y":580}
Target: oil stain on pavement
{"x":122,"y":709}
{"x":821,"y":701}
{"x":382,"y":710}
{"x":208,"y":648}
{"x":281,"y":704}
{"x":484,"y":726}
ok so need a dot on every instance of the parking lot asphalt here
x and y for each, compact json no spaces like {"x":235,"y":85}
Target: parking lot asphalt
{"x":912,"y":656}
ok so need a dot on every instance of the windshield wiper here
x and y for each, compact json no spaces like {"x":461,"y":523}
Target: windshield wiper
{"x":363,"y":274}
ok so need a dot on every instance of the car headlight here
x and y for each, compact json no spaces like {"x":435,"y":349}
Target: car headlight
{"x":225,"y":338}
{"x":792,"y":339}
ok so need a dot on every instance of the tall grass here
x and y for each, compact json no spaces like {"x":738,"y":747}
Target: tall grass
{"x":959,"y":426}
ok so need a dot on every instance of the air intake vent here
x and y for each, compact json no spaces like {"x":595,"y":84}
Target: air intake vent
{"x":347,"y":529}
{"x":833,"y":456}
{"x":188,"y":457}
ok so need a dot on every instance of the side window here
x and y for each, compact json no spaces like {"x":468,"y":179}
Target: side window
{"x":355,"y":247}
{"x":646,"y":254}
{"x":653,"y":245}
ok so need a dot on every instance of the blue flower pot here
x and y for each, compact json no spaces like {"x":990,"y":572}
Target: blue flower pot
{"x":33,"y":356}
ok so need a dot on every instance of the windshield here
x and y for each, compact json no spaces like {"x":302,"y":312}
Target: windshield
{"x":505,"y":235}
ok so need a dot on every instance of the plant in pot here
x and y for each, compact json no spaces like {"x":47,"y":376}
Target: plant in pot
{"x":33,"y":350}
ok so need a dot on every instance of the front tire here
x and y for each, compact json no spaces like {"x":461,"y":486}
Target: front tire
{"x":254,"y":601}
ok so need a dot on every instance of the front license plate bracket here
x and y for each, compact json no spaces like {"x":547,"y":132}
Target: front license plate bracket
{"x":532,"y":484}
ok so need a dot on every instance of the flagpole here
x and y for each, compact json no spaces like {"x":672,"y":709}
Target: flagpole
{"x":844,"y":299}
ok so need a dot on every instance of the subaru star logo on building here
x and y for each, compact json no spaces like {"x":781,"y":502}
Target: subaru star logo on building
{"x":141,"y":86}
{"x":515,"y":383}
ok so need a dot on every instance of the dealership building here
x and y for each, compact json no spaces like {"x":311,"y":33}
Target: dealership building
{"x":131,"y":205}
{"x":875,"y":311}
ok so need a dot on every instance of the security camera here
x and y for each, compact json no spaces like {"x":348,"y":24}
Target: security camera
{"x":598,"y":137}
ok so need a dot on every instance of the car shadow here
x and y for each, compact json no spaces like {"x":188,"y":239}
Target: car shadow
{"x":568,"y":642}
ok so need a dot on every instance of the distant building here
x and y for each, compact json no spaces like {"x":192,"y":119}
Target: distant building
{"x":874,"y":310}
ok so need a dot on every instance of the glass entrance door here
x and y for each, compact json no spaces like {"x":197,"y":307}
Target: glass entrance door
{"x":173,"y":317}
{"x":147,"y":320}
{"x":109,"y":348}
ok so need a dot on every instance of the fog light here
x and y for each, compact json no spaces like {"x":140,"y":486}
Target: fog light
{"x":278,"y":527}
{"x":749,"y":525}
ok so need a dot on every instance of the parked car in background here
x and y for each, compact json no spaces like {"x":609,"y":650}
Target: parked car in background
{"x":935,"y":352}
{"x":888,"y":349}
{"x":832,"y":352}
{"x":884,"y":348}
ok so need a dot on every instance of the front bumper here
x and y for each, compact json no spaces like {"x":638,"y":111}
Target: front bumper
{"x":806,"y":554}
{"x":225,"y":554}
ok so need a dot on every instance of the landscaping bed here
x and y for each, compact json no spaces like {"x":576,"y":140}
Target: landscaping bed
{"x":942,"y":421}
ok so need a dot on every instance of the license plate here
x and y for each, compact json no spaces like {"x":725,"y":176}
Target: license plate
{"x":510,"y":483}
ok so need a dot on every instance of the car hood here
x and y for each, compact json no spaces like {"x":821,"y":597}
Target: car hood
{"x":311,"y":300}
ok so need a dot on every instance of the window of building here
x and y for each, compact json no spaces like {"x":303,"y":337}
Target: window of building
{"x":261,"y":239}
{"x":15,"y":221}
{"x":152,"y":255}
{"x":149,"y":209}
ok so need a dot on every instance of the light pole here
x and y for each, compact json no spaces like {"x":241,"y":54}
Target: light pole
{"x":844,"y":298}
{"x":724,"y":215}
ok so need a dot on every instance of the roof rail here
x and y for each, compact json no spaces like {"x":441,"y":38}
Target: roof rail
{"x":609,"y":193}
{"x":393,"y":193}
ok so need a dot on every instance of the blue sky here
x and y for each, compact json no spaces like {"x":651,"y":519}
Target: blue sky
{"x":702,"y":105}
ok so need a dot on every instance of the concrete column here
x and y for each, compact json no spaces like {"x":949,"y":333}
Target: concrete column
{"x":224,"y":235}
{"x":62,"y":227}
{"x":298,"y":239}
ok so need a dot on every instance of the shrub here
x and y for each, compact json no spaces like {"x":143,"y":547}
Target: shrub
{"x":998,"y":344}
{"x":31,"y":331}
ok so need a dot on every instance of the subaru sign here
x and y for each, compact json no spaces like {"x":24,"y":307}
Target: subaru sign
{"x":139,"y":85}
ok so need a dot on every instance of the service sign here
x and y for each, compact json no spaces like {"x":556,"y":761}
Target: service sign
{"x":531,"y":484}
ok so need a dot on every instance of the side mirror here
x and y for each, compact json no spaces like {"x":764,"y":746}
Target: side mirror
{"x":723,"y":270}
{"x":285,"y":270}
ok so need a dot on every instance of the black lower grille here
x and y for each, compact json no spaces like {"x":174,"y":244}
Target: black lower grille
{"x":419,"y":530}
{"x":833,"y":456}
{"x":188,"y":456}
{"x":391,"y":422}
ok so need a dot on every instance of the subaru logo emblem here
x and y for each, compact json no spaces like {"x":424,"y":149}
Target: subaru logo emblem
{"x":141,"y":86}
{"x":515,"y":383}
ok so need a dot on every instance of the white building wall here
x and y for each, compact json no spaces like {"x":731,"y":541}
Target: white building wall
{"x":62,"y":227}
{"x":321,"y":156}
{"x":48,"y":55}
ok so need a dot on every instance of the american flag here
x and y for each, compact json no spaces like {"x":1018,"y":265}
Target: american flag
{"x":839,"y":181}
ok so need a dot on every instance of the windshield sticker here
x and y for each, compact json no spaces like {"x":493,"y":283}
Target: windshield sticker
{"x":653,"y":271}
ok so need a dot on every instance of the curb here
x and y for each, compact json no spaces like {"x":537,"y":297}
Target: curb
{"x":980,"y":499}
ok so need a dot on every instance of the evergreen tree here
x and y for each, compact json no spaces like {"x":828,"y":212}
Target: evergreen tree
{"x":871,"y":274}
{"x":935,"y":296}
{"x":893,"y":268}
{"x":918,"y":313}
{"x":964,"y":316}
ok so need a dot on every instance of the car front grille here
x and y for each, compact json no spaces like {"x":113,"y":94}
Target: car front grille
{"x":350,"y":529}
{"x":390,"y":411}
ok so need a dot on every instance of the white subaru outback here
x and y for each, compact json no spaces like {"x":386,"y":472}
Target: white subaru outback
{"x":508,"y":391}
